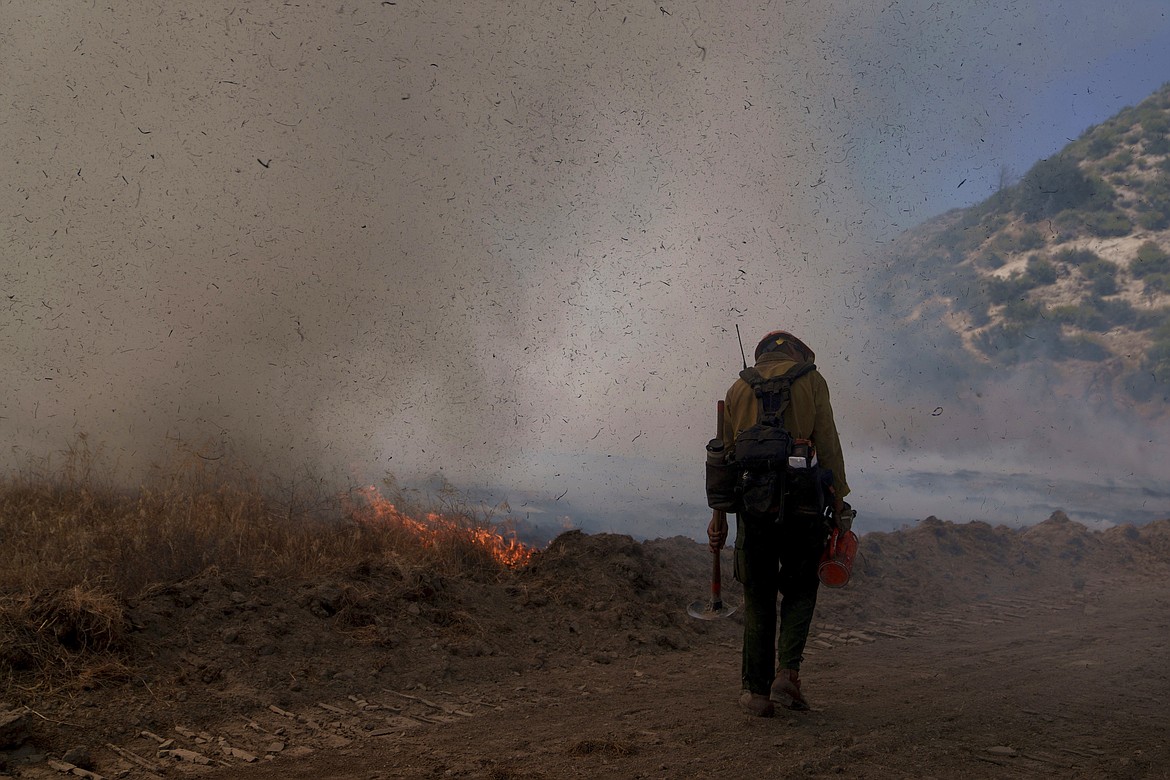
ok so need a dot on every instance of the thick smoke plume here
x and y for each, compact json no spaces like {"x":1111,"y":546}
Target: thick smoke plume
{"x":506,"y":242}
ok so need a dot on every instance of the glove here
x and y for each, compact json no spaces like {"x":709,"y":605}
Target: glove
{"x":717,"y":531}
{"x":843,"y":516}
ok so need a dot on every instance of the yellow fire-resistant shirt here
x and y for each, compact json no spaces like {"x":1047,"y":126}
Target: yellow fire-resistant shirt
{"x":809,"y":414}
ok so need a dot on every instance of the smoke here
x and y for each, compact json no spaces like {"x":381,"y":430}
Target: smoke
{"x":439,"y":234}
{"x":506,"y":242}
{"x":1011,"y":448}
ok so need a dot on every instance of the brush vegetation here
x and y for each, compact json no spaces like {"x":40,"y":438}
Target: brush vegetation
{"x":79,"y":549}
{"x":1070,"y":264}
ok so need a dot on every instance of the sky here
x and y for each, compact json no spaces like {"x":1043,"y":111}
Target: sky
{"x":507,"y":242}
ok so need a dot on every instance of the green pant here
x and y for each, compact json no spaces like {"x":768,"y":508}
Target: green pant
{"x":774,"y":558}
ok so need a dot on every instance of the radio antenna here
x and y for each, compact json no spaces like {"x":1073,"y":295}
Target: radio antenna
{"x":742,"y":355}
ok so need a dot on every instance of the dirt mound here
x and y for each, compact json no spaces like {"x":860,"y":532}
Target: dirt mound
{"x":631,"y":595}
{"x":220,"y":645}
{"x":936,"y":563}
{"x":1154,"y":536}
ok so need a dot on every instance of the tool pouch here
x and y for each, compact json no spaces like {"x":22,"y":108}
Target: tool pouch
{"x":761,"y":492}
{"x":722,"y":479}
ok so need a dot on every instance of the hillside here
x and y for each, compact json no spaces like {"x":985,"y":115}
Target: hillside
{"x":1070,"y":266}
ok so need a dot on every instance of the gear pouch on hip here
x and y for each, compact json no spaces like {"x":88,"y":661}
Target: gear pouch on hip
{"x":722,"y":479}
{"x":762,"y":492}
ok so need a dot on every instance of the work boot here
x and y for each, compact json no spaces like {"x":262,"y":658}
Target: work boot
{"x":786,"y":691}
{"x":757,"y":704}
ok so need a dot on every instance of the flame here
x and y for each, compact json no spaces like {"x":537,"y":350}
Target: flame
{"x":435,"y":529}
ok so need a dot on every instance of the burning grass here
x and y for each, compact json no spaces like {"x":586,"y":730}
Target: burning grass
{"x":77,"y":549}
{"x":448,"y":534}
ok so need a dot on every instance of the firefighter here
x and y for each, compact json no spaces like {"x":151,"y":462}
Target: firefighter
{"x":777,"y":552}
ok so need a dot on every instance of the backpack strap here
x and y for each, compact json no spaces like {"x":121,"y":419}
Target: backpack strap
{"x":774,"y":394}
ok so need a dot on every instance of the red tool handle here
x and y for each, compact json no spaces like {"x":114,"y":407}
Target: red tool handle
{"x":716,"y":570}
{"x":716,"y":580}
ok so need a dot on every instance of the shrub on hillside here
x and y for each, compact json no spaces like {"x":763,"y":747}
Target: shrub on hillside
{"x":976,"y":307}
{"x":1018,"y":241}
{"x":1022,"y":310}
{"x":1154,"y":123}
{"x":1153,"y":204}
{"x":961,"y":241}
{"x":990,"y":260}
{"x":954,"y":282}
{"x":1150,"y":259}
{"x":1041,"y":270}
{"x":1021,"y":341}
{"x":1149,"y":319}
{"x":1096,"y":314}
{"x":1158,"y":186}
{"x":1000,"y":339}
{"x":1103,"y":142}
{"x":1118,"y":162}
{"x":1108,"y":223}
{"x":1077,"y":257}
{"x":1153,"y":220}
{"x":1057,"y":184}
{"x":1030,"y":238}
{"x":1003,"y":291}
{"x":1016,"y":287}
{"x":1124,"y":181}
{"x":1080,"y":316}
{"x":1101,"y":276}
{"x":1157,"y":284}
{"x":1116,"y":311}
{"x":1069,"y":224}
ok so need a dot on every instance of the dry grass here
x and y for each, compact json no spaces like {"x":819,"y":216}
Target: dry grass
{"x":69,"y":529}
{"x":77,"y":548}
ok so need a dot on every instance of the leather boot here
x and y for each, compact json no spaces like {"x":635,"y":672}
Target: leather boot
{"x":757,"y":704}
{"x":786,"y":691}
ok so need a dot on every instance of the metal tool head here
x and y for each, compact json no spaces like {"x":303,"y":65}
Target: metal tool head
{"x":710,"y":610}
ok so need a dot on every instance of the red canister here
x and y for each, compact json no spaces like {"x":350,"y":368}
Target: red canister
{"x":837,"y":562}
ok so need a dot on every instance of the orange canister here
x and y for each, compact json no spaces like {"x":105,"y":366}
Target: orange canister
{"x":837,"y":562}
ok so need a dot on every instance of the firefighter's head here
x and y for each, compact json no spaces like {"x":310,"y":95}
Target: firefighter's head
{"x":785,"y":343}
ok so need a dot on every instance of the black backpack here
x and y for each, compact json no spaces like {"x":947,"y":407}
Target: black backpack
{"x":762,"y":451}
{"x":768,"y":463}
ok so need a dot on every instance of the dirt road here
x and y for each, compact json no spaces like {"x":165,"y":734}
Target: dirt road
{"x":1071,"y":684}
